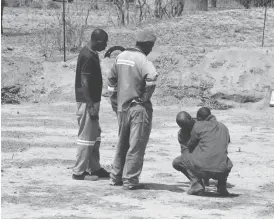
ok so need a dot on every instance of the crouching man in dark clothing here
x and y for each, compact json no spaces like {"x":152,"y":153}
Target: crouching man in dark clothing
{"x":205,"y":155}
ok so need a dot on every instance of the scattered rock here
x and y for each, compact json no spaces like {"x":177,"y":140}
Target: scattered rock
{"x":10,"y":48}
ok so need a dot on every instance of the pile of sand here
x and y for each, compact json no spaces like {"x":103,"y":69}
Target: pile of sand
{"x":235,"y":74}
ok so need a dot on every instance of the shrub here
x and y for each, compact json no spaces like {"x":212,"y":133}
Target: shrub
{"x":36,"y":4}
{"x":53,"y":5}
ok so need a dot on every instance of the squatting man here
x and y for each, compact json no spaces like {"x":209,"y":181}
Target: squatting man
{"x":132,"y":81}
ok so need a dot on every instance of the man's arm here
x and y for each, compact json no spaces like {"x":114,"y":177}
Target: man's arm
{"x":150,"y":74}
{"x":193,"y":142}
{"x":86,"y":79}
{"x":112,"y":87}
{"x":183,"y":143}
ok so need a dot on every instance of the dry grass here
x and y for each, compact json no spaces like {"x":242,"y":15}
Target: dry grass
{"x":37,"y":33}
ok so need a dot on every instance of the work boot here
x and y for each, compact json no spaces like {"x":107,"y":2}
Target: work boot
{"x":85,"y":176}
{"x":101,"y":173}
{"x":113,"y":183}
{"x":196,"y":189}
{"x":206,"y":182}
{"x":221,"y":189}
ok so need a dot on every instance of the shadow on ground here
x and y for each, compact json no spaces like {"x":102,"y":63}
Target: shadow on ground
{"x":211,"y":184}
{"x":160,"y":186}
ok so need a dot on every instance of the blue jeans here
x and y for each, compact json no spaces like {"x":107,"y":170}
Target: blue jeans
{"x":134,"y":130}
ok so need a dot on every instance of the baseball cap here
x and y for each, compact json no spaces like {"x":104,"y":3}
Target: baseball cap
{"x":146,"y":36}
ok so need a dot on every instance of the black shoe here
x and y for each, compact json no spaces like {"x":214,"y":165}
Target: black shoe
{"x":113,"y":183}
{"x":196,"y":189}
{"x":101,"y":173}
{"x":222,"y":191}
{"x":85,"y":176}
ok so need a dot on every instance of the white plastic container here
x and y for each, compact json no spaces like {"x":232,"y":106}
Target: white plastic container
{"x":271,"y":103}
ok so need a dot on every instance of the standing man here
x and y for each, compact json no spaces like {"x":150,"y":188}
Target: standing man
{"x":88,"y":90}
{"x":133,"y":77}
{"x":207,"y":156}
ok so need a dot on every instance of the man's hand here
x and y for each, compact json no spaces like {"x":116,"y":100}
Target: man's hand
{"x":93,"y":109}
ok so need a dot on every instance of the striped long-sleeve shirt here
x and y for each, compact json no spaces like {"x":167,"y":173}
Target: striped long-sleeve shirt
{"x":133,"y":77}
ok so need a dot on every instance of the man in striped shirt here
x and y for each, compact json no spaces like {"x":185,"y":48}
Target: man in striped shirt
{"x":132,"y":80}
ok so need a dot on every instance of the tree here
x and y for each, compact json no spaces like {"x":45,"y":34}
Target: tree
{"x":158,"y":9}
{"x":3,"y":4}
{"x":177,"y":7}
{"x":122,"y":7}
{"x":213,"y":3}
{"x":196,"y":5}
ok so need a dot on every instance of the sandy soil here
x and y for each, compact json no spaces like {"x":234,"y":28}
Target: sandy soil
{"x":38,"y":152}
{"x":38,"y":137}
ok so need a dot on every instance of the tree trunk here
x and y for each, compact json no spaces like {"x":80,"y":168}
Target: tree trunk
{"x":213,"y":3}
{"x":3,"y":4}
{"x":177,"y":7}
{"x":158,"y":8}
{"x":196,"y":5}
{"x":95,"y":6}
{"x":122,"y":7}
{"x":126,"y":11}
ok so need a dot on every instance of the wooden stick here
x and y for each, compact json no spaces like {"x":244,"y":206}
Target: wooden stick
{"x":64,"y":30}
{"x":264,"y":24}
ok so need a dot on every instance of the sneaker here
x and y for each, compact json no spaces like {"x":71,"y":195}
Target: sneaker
{"x":85,"y":176}
{"x":130,"y":187}
{"x":222,"y":191}
{"x":196,"y":189}
{"x":101,"y":173}
{"x":113,"y":183}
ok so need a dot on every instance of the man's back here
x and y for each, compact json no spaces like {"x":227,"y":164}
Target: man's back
{"x":212,"y":139}
{"x":131,"y":69}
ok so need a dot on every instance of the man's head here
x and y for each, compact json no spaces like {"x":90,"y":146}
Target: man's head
{"x":145,"y":41}
{"x":99,"y":39}
{"x":184,"y":120}
{"x":203,"y":113}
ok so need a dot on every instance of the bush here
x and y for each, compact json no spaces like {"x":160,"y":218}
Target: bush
{"x":13,"y":3}
{"x":38,"y":5}
{"x":53,"y":5}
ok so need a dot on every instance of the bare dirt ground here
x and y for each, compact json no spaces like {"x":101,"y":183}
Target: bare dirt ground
{"x":38,"y":151}
{"x":38,"y":137}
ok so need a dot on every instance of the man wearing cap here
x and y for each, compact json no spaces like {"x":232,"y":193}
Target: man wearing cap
{"x":88,"y":90}
{"x":133,"y":79}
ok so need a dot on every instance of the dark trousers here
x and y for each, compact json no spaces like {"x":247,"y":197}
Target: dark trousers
{"x":181,"y":164}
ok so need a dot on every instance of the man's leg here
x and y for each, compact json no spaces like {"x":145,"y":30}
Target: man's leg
{"x":121,"y":149}
{"x":94,"y":158}
{"x":221,"y":185}
{"x":180,"y":163}
{"x":86,"y":140}
{"x":140,"y":128}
